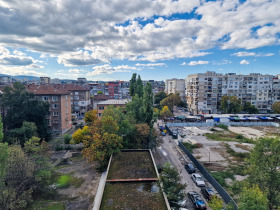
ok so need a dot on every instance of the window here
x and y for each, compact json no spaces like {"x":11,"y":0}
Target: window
{"x":54,"y":98}
{"x":45,"y":98}
{"x":66,"y":105}
{"x":101,"y":108}
{"x":55,"y":113}
{"x":99,"y":114}
{"x":76,"y":93}
{"x":55,"y":106}
{"x":66,"y":97}
{"x":76,"y":97}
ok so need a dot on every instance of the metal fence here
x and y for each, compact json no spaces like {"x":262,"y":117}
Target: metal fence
{"x":223,"y":193}
{"x":211,"y":124}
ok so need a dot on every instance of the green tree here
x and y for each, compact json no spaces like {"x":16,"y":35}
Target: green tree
{"x":264,"y":162}
{"x":22,"y":134}
{"x":216,"y":203}
{"x":90,"y":116}
{"x":159,"y":97}
{"x":3,"y":159}
{"x":249,"y":108}
{"x":252,"y":198}
{"x":17,"y":185}
{"x":148,"y":104}
{"x":171,"y":183}
{"x":1,"y":130}
{"x":231,"y":104}
{"x":99,"y":92}
{"x":276,"y":107}
{"x":126,"y":129}
{"x":139,"y":87}
{"x":165,"y":112}
{"x":135,"y":110}
{"x":21,"y":106}
{"x":132,"y":85}
{"x":171,"y":101}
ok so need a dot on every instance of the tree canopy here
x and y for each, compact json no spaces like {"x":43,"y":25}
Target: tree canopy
{"x":21,"y":106}
{"x":276,"y":107}
{"x":231,"y":104}
{"x":159,"y":97}
{"x":264,"y":169}
{"x":171,"y":101}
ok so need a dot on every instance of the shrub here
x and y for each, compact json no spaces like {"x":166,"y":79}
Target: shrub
{"x":213,"y":129}
{"x":223,"y":126}
{"x":190,"y":146}
{"x":239,"y":136}
{"x":66,"y":180}
{"x":67,"y":138}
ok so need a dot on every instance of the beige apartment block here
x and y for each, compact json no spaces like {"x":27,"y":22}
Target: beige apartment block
{"x":175,"y":86}
{"x":203,"y":92}
{"x":101,"y":106}
{"x":59,"y":118}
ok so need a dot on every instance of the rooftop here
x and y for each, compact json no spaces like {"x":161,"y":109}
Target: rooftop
{"x":132,"y":183}
{"x":114,"y":102}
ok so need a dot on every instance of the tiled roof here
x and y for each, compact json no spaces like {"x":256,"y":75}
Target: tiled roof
{"x":46,"y":90}
{"x":70,"y":87}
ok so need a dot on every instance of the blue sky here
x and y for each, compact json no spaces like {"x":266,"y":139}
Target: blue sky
{"x":157,"y":39}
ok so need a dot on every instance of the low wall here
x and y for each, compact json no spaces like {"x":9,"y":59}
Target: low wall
{"x":223,"y":193}
{"x":211,"y":124}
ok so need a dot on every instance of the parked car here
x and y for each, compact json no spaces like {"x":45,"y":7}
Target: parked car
{"x":196,"y":200}
{"x":190,"y":168}
{"x":174,"y":134}
{"x":178,"y":205}
{"x":198,"y":180}
{"x":207,"y":193}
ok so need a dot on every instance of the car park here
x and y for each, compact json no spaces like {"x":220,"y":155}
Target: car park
{"x":207,"y":193}
{"x":189,"y":168}
{"x":196,"y":200}
{"x":198,"y":180}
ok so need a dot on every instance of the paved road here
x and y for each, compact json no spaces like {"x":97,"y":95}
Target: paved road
{"x":170,"y":152}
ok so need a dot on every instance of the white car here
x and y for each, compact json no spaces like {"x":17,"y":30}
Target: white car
{"x":198,"y":180}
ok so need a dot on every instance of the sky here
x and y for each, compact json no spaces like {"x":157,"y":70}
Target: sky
{"x":158,"y":39}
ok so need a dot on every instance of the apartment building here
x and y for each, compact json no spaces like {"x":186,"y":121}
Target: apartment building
{"x":203,"y":92}
{"x":101,"y":106}
{"x":253,"y":88}
{"x":175,"y":86}
{"x":80,"y":98}
{"x":45,"y":80}
{"x":59,"y":118}
{"x":276,"y":88}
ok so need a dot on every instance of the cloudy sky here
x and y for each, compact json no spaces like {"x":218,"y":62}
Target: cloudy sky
{"x":158,"y":39}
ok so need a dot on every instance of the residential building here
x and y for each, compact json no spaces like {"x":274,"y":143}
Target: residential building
{"x":175,"y":86}
{"x":45,"y":80}
{"x":59,"y":118}
{"x":276,"y":88}
{"x":203,"y":92}
{"x":253,"y":88}
{"x":80,"y":98}
{"x":101,"y":106}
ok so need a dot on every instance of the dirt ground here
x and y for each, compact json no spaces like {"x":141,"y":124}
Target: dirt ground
{"x":72,"y":162}
{"x":247,"y":132}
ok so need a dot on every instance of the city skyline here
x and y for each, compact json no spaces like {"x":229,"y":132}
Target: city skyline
{"x":156,"y":39}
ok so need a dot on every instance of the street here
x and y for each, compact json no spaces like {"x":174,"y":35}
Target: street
{"x":168,"y":151}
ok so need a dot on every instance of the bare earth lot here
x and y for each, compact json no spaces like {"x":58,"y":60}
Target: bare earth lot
{"x":72,"y":162}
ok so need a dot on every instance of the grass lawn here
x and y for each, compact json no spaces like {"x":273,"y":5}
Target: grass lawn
{"x":132,"y":165}
{"x":228,"y":136}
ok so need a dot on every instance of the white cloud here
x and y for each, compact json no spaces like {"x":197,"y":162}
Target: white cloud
{"x":85,"y":32}
{"x":150,"y":64}
{"x":107,"y":69}
{"x":183,"y":64}
{"x":223,"y":62}
{"x":244,"y":62}
{"x":75,"y":70}
{"x":253,"y":54}
{"x":194,"y":63}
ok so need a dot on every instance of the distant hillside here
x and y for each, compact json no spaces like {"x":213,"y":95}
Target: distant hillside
{"x":19,"y":77}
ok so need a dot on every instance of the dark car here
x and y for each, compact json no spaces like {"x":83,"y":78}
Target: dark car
{"x":174,"y":134}
{"x":196,"y":200}
{"x":207,"y":193}
{"x":190,"y":168}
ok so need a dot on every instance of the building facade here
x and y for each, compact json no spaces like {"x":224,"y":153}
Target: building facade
{"x":205,"y":90}
{"x":101,"y":106}
{"x":59,"y":118}
{"x":175,"y":86}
